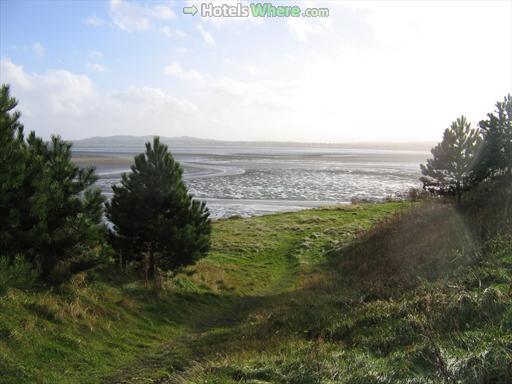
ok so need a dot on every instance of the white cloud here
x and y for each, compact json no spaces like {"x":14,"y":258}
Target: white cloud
{"x":273,"y":94}
{"x":61,"y":102}
{"x":38,"y":49}
{"x":56,"y":92}
{"x":182,"y":50}
{"x":94,"y":21}
{"x":207,"y":36}
{"x":152,"y":100}
{"x":367,"y":73}
{"x":303,"y":27}
{"x":95,"y":67}
{"x":129,"y":16}
{"x":177,"y":70}
{"x":14,"y":74}
{"x":172,"y":33}
{"x":243,"y":67}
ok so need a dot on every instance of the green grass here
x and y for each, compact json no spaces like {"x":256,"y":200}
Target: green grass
{"x":377,"y":293}
{"x":91,"y":329}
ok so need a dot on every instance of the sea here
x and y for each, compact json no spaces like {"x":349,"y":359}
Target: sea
{"x":250,"y":179}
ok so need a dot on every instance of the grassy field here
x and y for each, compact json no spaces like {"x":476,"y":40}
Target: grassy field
{"x":377,"y":293}
{"x":90,"y":329}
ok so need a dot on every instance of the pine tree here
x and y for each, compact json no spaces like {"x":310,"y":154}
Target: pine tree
{"x":156,"y":221}
{"x":495,"y":157}
{"x":64,"y":216}
{"x":49,"y":212}
{"x":12,"y":170}
{"x":449,"y":170}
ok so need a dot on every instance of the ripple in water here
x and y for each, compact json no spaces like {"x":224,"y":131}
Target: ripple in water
{"x":273,"y":181}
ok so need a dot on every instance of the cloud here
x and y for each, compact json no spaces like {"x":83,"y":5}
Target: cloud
{"x":243,"y":67}
{"x":272,"y":94}
{"x":38,"y":49}
{"x":303,"y":27}
{"x":14,"y":74}
{"x":65,"y":103}
{"x":55,"y":92}
{"x":207,"y":36}
{"x":172,"y":33}
{"x":152,"y":101}
{"x":367,"y":74}
{"x":182,"y":50}
{"x":130,"y":16}
{"x":177,"y":70}
{"x":95,"y":67}
{"x":94,"y":21}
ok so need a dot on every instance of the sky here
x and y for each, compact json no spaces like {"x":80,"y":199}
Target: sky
{"x":370,"y":71}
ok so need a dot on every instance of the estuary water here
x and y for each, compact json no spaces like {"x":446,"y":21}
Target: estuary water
{"x":248,"y":180}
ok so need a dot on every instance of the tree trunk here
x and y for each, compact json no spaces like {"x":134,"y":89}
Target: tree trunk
{"x":146,"y":271}
{"x":458,"y":193}
{"x":121,"y":264}
{"x":47,"y":265}
{"x":149,"y":266}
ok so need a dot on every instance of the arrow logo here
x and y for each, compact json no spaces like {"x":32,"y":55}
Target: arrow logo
{"x":190,"y":10}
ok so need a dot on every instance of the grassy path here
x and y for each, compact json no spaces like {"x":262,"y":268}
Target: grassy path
{"x":287,"y":298}
{"x":254,"y":262}
{"x":110,"y":329}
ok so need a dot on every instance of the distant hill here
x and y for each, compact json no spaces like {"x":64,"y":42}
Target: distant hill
{"x":139,"y":141}
{"x":122,"y":140}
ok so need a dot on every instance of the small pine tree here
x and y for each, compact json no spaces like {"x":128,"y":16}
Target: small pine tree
{"x":64,"y":216}
{"x":12,"y":170}
{"x":48,"y":211}
{"x":449,"y":170}
{"x":155,"y":219}
{"x":495,"y":157}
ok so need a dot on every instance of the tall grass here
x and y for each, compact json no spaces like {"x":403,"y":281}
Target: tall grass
{"x":425,"y":296}
{"x":416,"y":292}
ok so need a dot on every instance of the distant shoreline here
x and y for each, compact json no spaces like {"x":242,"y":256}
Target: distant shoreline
{"x":114,"y":141}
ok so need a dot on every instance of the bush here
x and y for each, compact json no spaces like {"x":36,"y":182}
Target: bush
{"x":17,"y":274}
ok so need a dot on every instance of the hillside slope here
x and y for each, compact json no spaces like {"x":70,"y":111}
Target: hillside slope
{"x":378,"y":293}
{"x":98,"y":325}
{"x":424,"y":296}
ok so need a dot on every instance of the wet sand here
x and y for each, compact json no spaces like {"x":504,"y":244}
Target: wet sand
{"x":251,"y":180}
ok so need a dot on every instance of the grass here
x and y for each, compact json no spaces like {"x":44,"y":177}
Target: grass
{"x":376,"y":293}
{"x":92,"y":328}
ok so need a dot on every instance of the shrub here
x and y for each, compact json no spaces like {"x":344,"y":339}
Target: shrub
{"x":18,"y":273}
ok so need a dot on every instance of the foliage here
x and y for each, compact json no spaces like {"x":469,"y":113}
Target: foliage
{"x":12,"y":170}
{"x":449,"y":170}
{"x":495,"y":157}
{"x":304,"y":297}
{"x":467,"y":157}
{"x":18,"y":274}
{"x":95,"y":330}
{"x":65,"y":214}
{"x":155,"y":219}
{"x":413,"y":292}
{"x":50,"y":212}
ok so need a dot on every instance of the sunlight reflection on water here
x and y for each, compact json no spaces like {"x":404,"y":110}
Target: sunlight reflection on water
{"x":262,"y":181}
